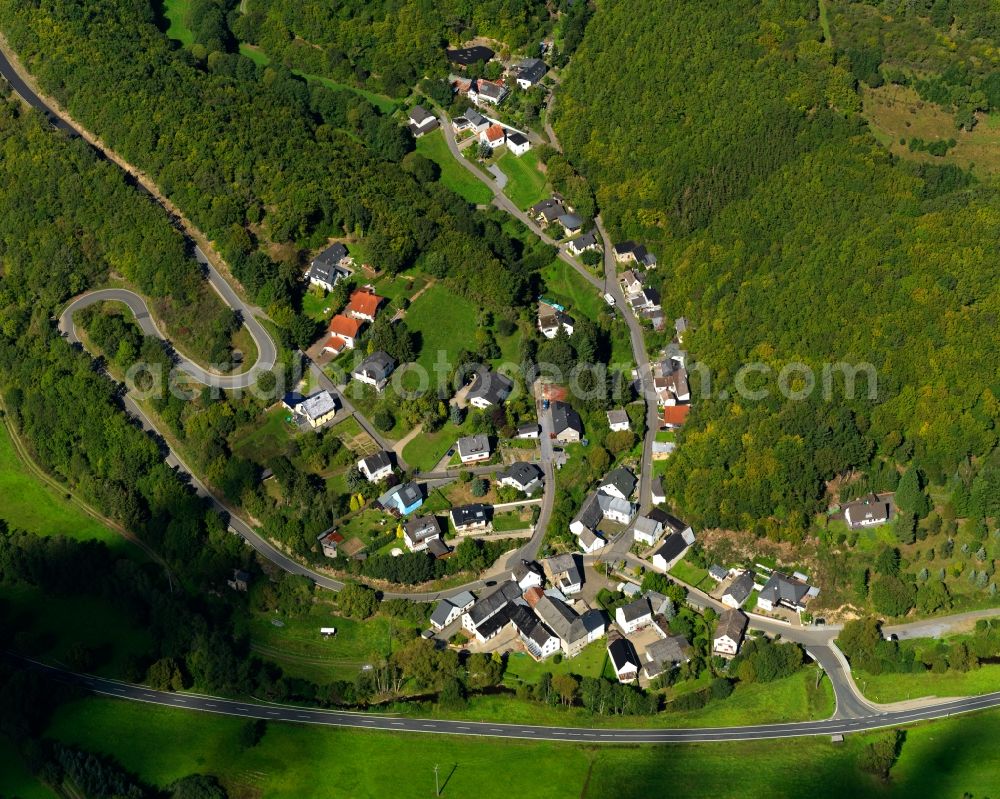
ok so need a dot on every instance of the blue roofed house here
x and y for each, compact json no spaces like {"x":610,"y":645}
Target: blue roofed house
{"x":404,"y":498}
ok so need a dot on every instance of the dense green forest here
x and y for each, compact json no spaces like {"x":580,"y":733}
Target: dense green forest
{"x":786,"y":233}
{"x":388,"y":45}
{"x":257,"y":157}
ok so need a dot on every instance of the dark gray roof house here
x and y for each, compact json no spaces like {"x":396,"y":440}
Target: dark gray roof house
{"x":780,"y":589}
{"x":550,"y":209}
{"x":672,"y":546}
{"x":517,"y":139}
{"x":489,"y":388}
{"x":420,"y":116}
{"x":740,"y":589}
{"x":623,"y":656}
{"x":585,"y":241}
{"x":422,"y":528}
{"x":590,"y":513}
{"x":476,"y":513}
{"x":531,"y":71}
{"x":571,"y":222}
{"x":565,"y":418}
{"x":377,"y":461}
{"x":490,"y":604}
{"x":376,"y":368}
{"x":621,"y":480}
{"x":329,"y":266}
{"x":525,"y":476}
{"x":636,"y":610}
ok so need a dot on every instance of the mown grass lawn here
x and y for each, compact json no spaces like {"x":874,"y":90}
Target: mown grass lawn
{"x":30,"y":504}
{"x":692,"y":575}
{"x":526,"y":185}
{"x":939,"y":760}
{"x":522,"y":668}
{"x":453,"y":175}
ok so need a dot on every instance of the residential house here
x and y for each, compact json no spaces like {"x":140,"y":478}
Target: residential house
{"x":527,"y":574}
{"x":672,"y":389}
{"x":671,"y":550}
{"x":551,"y":319}
{"x":330,"y":267}
{"x":317,"y":409}
{"x":565,"y":573}
{"x":463,"y":57}
{"x":476,"y":517}
{"x":529,"y":430}
{"x":375,"y":370}
{"x":658,"y":492}
{"x":631,"y":281}
{"x":518,"y":143}
{"x":665,"y":654}
{"x":449,"y":609}
{"x":624,"y":659}
{"x":548,"y":211}
{"x":488,"y":389}
{"x":590,"y":541}
{"x":470,"y":120}
{"x":618,"y":420}
{"x":647,"y":530}
{"x":376,"y":467}
{"x":538,"y":640}
{"x":571,"y":224}
{"x":674,"y":416}
{"x":403,"y":499}
{"x":494,"y":136}
{"x":240,"y":581}
{"x":573,"y":630}
{"x":629,"y":252}
{"x":364,"y":304}
{"x":717,"y":572}
{"x":783,"y":591}
{"x":619,"y":483}
{"x":523,"y":476}
{"x":869,"y":511}
{"x":421,"y":121}
{"x":729,"y":632}
{"x":583,"y":243}
{"x":566,"y":423}
{"x":474,"y":448}
{"x":634,"y":616}
{"x":419,"y":532}
{"x":343,"y":333}
{"x":329,"y":541}
{"x":530,"y":72}
{"x":487,"y":91}
{"x":599,"y":506}
{"x":739,"y":590}
{"x":671,"y":523}
{"x":490,"y":614}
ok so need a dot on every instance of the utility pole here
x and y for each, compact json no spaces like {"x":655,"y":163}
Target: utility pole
{"x":437,"y":788}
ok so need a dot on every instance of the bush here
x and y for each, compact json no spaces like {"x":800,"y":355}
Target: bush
{"x":383,"y":420}
{"x":479,"y":487}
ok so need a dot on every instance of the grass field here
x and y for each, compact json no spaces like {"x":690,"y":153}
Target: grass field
{"x":522,"y":668}
{"x":265,"y":438}
{"x":564,"y":285}
{"x":385,"y":104}
{"x":302,"y":652}
{"x":940,"y":760}
{"x":453,"y":175}
{"x":897,"y":112}
{"x":692,"y":575}
{"x":526,"y":184}
{"x":446,"y":323}
{"x":175,"y":12}
{"x":31,"y":505}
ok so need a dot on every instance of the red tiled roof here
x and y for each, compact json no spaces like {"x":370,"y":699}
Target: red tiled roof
{"x":365,"y":302}
{"x":342,"y":325}
{"x":533,"y":594}
{"x":675,"y":414}
{"x":495,"y":133}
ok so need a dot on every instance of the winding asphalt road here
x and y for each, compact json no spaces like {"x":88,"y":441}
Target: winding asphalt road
{"x":267,"y":353}
{"x":598,"y":735}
